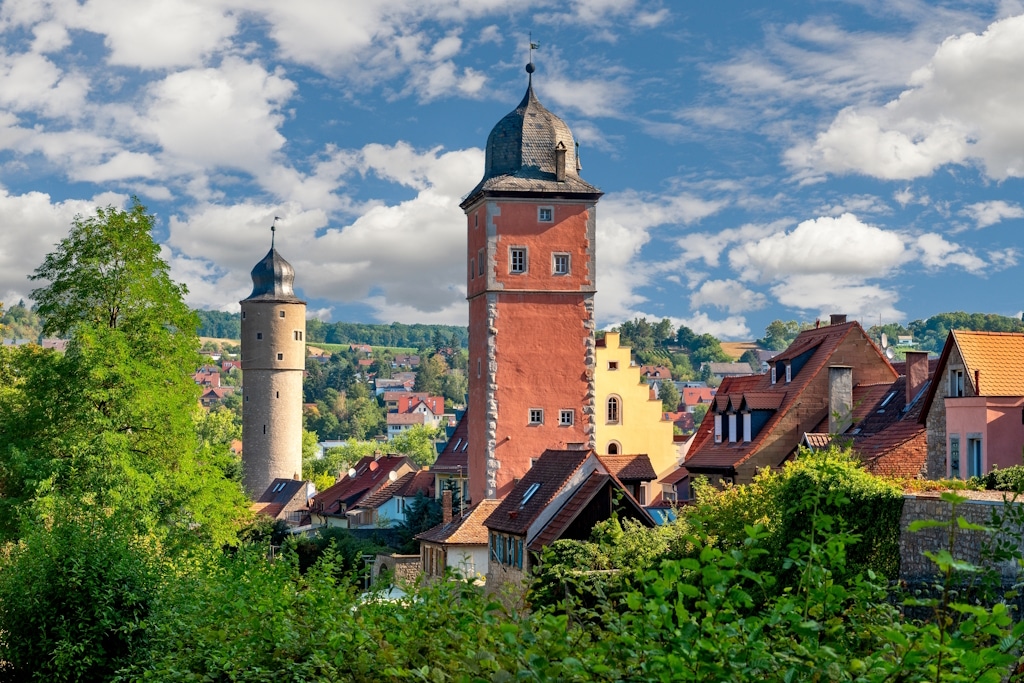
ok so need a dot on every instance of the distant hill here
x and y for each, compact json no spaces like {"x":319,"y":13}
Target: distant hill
{"x":228,"y":326}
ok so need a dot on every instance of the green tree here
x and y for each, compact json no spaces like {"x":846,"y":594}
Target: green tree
{"x":111,"y":423}
{"x":699,"y":411}
{"x":780,"y":334}
{"x":750,"y":358}
{"x":430,"y":375}
{"x":418,"y":443}
{"x":669,"y":395}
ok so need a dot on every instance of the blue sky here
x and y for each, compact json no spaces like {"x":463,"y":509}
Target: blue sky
{"x":759,"y":160}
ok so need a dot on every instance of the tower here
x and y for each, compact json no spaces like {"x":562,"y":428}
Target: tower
{"x":531,"y":283}
{"x":273,"y":361}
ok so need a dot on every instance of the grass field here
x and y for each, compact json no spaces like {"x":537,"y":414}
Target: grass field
{"x":737,"y":349}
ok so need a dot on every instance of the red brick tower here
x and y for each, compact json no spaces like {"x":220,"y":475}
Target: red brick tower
{"x":531,"y":284}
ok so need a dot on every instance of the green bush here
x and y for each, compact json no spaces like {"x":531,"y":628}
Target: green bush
{"x":74,"y":597}
{"x":1009,"y":479}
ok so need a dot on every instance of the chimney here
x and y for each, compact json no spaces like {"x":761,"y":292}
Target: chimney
{"x":837,"y":319}
{"x":560,"y":162}
{"x":446,"y":506}
{"x":917,"y":373}
{"x":840,"y":398}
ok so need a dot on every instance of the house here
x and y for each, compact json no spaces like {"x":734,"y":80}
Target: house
{"x":405,"y":360}
{"x":391,"y":398}
{"x":905,"y":340}
{"x":229,"y":365}
{"x":682,"y":420}
{"x":409,"y":403}
{"x":758,"y":421}
{"x":420,"y":414}
{"x":331,"y":506}
{"x":286,"y":499}
{"x":635,"y":472}
{"x":885,"y":430}
{"x":655,"y":373}
{"x":459,"y":543}
{"x":207,"y":378}
{"x":675,"y":488}
{"x":385,"y":507}
{"x":211,"y":396}
{"x":361,"y":348}
{"x":722,"y":370}
{"x":60,"y":345}
{"x":973,"y":409}
{"x":563,"y":495}
{"x":691,"y":397}
{"x":629,"y":419}
{"x":399,"y":381}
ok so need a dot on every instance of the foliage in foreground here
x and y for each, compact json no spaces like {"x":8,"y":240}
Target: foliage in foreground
{"x":701,"y":618}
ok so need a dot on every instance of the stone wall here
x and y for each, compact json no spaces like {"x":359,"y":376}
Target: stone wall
{"x":404,"y":569}
{"x":915,"y":568}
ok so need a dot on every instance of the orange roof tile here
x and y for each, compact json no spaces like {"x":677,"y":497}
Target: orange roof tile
{"x":467,"y":529}
{"x":998,"y":357}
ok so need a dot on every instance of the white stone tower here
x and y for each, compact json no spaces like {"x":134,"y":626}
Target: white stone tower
{"x":273,"y":362}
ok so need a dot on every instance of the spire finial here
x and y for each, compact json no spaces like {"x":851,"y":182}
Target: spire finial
{"x":529,"y":65}
{"x":273,"y":230}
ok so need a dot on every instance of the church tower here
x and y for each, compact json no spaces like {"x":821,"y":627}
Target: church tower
{"x":273,"y":361}
{"x":531,"y":284}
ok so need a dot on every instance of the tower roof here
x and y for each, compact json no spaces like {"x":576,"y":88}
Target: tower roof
{"x":523,"y":149}
{"x":272,"y":279}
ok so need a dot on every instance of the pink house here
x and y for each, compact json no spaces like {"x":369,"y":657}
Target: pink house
{"x":974,"y":413}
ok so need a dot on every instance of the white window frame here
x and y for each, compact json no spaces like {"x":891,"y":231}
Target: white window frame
{"x":554,"y":263}
{"x":732,"y":427}
{"x":746,"y":428}
{"x":545,"y":214}
{"x":718,"y":428}
{"x":536,"y":416}
{"x":513,"y":252}
{"x":566,"y":417}
{"x":956,"y":382}
{"x":789,"y":373}
{"x":773,"y":374}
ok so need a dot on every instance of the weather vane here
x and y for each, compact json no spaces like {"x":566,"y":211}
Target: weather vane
{"x":273,"y":229}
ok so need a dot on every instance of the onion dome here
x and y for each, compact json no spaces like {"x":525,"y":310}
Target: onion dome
{"x":532,"y":150}
{"x":273,"y":279}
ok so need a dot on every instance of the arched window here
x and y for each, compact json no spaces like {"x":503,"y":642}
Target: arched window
{"x":613,"y":448}
{"x":614,"y":410}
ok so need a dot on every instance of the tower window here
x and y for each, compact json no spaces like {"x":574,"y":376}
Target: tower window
{"x":613,"y":448}
{"x":476,"y":220}
{"x":479,"y":364}
{"x":280,"y":314}
{"x":277,"y":394}
{"x":614,"y":412}
{"x":545,"y":214}
{"x":613,"y":365}
{"x":264,"y":429}
{"x":517,"y":260}
{"x":259,"y":335}
{"x":566,"y":417}
{"x":560,"y":264}
{"x":472,"y":269}
{"x":536,"y":416}
{"x":243,"y":315}
{"x":480,"y":263}
{"x":298,"y":335}
{"x":280,"y":356}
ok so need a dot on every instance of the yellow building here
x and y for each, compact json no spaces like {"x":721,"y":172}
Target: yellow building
{"x":629,"y":421}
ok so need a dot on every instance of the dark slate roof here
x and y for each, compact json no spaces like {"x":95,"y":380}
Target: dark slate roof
{"x":455,"y":457}
{"x":280,"y":492}
{"x":520,"y":155}
{"x":551,"y":471}
{"x":273,"y":279}
{"x":629,"y":467}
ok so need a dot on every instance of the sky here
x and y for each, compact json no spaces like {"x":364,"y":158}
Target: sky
{"x":760,"y":160}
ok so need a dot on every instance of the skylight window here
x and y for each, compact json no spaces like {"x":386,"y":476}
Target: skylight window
{"x":529,"y":493}
{"x":887,"y":399}
{"x":457,"y":444}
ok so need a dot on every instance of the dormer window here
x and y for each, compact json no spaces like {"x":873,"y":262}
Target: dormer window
{"x":718,"y":428}
{"x":773,"y":374}
{"x":789,"y":374}
{"x":732,"y":427}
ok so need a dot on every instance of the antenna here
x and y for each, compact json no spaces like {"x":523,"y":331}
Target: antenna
{"x":890,"y":353}
{"x":885,"y":341}
{"x":352,"y":472}
{"x":273,"y":229}
{"x":392,"y":476}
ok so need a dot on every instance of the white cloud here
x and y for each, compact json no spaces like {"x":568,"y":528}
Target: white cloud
{"x":625,"y":221}
{"x":729,"y":295}
{"x":403,"y":259}
{"x":225,"y":117}
{"x":823,"y":294}
{"x":31,"y":82}
{"x":731,"y":328}
{"x":989,"y":213}
{"x":957,"y":109}
{"x":935,"y":252}
{"x":40,"y":224}
{"x":589,"y":96}
{"x":840,"y":246}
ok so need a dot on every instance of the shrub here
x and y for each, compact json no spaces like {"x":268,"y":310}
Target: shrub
{"x":73,"y":598}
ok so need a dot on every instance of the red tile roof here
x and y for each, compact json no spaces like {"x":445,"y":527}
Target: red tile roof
{"x":822,"y":343}
{"x":694,"y":395}
{"x":466,"y":529}
{"x":676,"y":477}
{"x":629,"y":467}
{"x":899,"y":450}
{"x":370,"y":474}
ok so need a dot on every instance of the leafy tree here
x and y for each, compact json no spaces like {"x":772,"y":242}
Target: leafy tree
{"x":219,"y":324}
{"x":418,"y":443}
{"x":669,"y":395}
{"x":430,"y":375}
{"x":111,"y":423}
{"x":20,"y":322}
{"x":421,"y":513}
{"x":699,"y":411}
{"x":780,"y":334}
{"x":706,"y":348}
{"x":338,"y":459}
{"x":750,"y":358}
